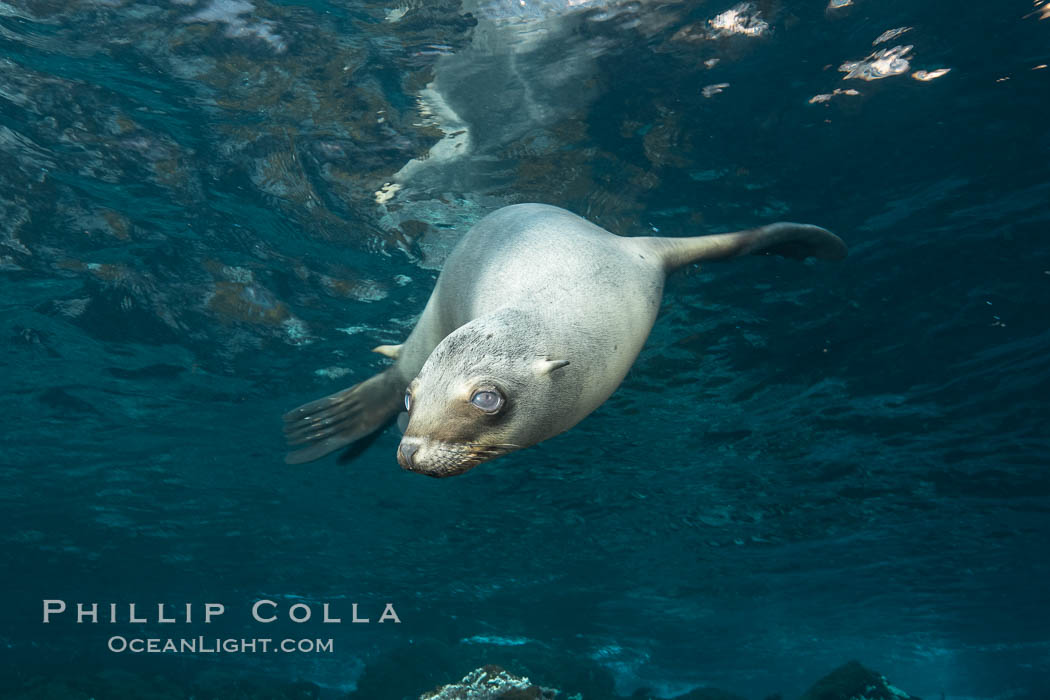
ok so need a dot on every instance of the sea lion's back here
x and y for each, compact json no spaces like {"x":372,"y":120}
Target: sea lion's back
{"x":522,"y":233}
{"x":535,"y":255}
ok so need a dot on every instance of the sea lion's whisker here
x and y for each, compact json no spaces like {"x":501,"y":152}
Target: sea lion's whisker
{"x":489,"y":451}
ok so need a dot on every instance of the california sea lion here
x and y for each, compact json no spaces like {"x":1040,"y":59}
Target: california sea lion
{"x":535,"y":320}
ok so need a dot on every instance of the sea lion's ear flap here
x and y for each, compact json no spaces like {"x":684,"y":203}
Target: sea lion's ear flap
{"x":391,"y":351}
{"x":546,"y":366}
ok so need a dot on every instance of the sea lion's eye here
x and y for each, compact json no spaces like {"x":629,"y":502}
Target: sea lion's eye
{"x":408,"y":400}
{"x":488,"y":400}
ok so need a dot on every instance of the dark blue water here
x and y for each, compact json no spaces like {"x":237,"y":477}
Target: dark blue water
{"x":210,"y":210}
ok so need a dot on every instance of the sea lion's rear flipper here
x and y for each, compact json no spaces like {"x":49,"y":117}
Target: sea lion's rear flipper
{"x":335,"y":421}
{"x":798,"y":241}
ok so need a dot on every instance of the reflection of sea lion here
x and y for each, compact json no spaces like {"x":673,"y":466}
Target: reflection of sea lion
{"x":535,"y":320}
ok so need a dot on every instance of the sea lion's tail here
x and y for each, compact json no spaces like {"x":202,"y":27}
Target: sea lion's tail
{"x":798,"y":241}
{"x":335,"y":421}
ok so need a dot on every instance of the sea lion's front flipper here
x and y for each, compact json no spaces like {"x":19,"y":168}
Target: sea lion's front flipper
{"x":798,"y":241}
{"x":335,"y":421}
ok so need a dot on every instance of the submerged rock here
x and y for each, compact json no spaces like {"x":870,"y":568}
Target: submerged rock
{"x":852,"y":681}
{"x":77,"y":683}
{"x":694,"y":694}
{"x":490,"y":683}
{"x":709,"y":694}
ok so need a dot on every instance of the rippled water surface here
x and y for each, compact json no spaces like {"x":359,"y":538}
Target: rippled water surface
{"x":210,"y":211}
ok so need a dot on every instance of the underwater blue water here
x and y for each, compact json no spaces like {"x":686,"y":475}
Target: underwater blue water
{"x":210,"y":211}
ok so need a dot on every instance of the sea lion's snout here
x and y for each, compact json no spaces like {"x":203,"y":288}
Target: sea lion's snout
{"x":439,"y":458}
{"x":431,"y":457}
{"x":405,"y":453}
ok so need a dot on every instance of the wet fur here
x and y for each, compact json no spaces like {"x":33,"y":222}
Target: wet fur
{"x":528,"y":284}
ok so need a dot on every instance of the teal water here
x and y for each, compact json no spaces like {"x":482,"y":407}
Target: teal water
{"x":210,"y":211}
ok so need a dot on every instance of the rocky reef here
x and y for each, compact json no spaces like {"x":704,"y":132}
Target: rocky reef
{"x":490,"y":683}
{"x":851,"y":681}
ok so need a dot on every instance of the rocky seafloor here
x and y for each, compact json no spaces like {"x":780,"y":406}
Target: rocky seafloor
{"x":851,"y":681}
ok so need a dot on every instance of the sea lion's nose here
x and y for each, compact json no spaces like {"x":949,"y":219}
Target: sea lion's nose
{"x":406,"y":452}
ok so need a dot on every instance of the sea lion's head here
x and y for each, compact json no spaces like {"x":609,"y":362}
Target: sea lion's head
{"x":486,"y":390}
